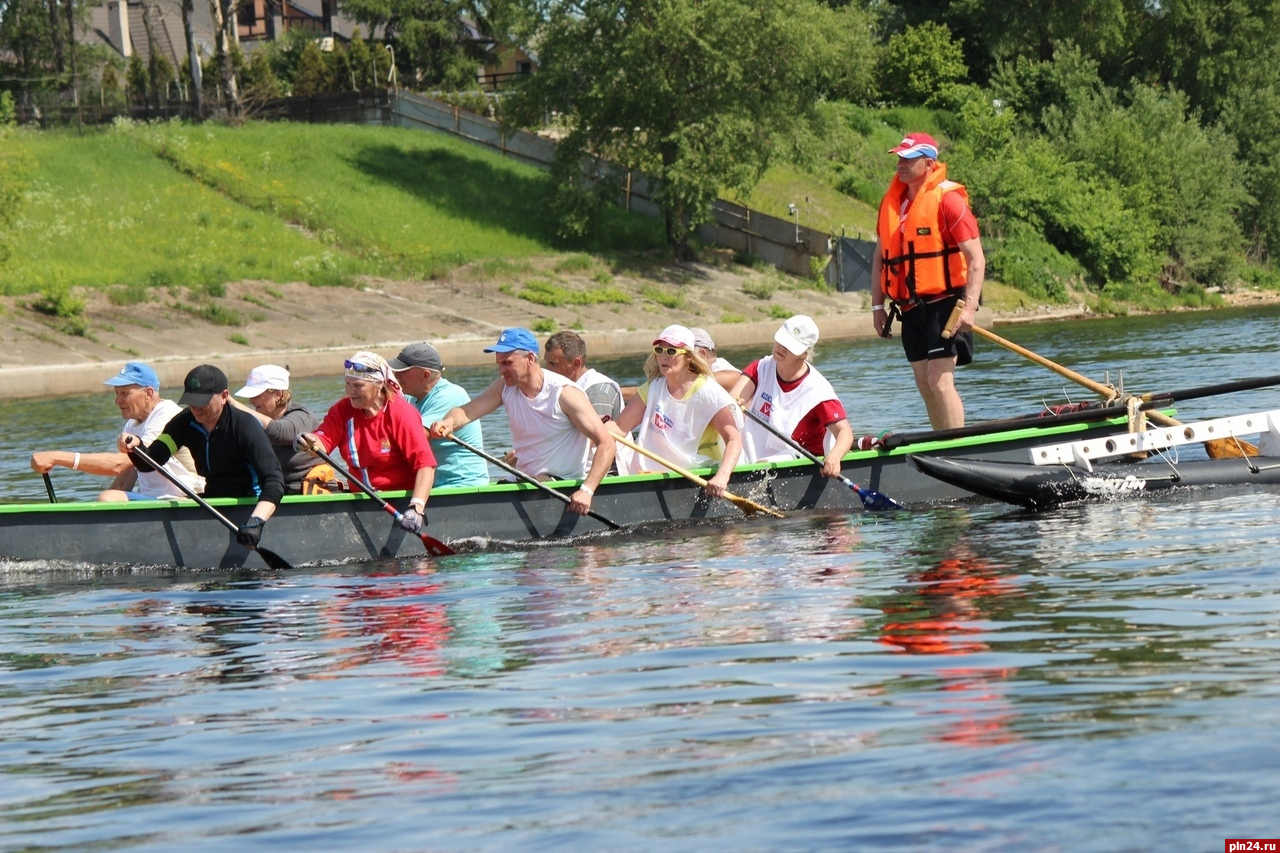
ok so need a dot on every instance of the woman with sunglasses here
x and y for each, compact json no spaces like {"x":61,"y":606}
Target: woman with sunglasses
{"x":683,"y":414}
{"x":380,"y":435}
{"x":789,"y":394}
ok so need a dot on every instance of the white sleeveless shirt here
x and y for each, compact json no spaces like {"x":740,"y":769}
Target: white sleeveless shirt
{"x":783,"y":410}
{"x":545,"y":441}
{"x":673,"y":428}
{"x":152,"y":483}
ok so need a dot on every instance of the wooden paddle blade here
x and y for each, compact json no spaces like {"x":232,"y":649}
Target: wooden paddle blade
{"x":435,"y":547}
{"x":749,"y":506}
{"x":272,"y":559}
{"x":1229,"y":448}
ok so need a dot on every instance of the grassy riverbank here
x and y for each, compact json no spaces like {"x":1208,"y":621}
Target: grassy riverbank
{"x":183,"y":204}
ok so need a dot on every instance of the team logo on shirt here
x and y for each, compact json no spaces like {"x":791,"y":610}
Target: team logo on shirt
{"x":766,"y":408}
{"x":661,"y":421}
{"x":386,"y":446}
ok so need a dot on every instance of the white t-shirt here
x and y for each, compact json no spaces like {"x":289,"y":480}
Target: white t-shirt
{"x":543,"y":438}
{"x":674,"y":428}
{"x":721,"y":364}
{"x":781,"y":410}
{"x":152,"y":483}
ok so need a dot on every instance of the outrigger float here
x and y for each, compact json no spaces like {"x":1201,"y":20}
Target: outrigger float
{"x":346,"y":527}
{"x":1066,"y":472}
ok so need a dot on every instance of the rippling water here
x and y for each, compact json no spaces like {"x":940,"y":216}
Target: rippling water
{"x":1101,"y":677}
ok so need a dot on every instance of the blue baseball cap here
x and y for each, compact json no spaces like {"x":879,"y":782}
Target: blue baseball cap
{"x":135,"y":373}
{"x":513,"y":339}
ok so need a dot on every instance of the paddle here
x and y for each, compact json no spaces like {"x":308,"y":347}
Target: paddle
{"x":48,"y":487}
{"x":745,"y":504}
{"x":870,"y":499}
{"x":434,"y":546}
{"x":1217,"y":448}
{"x":533,"y":481}
{"x":271,"y":558}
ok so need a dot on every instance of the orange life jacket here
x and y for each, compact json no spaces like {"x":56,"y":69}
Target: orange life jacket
{"x":915,"y":263}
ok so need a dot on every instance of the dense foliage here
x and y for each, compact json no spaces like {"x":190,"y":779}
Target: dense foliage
{"x":1120,"y":144}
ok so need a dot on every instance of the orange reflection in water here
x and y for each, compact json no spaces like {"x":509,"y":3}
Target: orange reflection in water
{"x":941,"y":615}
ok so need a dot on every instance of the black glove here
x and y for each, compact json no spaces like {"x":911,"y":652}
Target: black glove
{"x":413,"y":521}
{"x":249,"y":535}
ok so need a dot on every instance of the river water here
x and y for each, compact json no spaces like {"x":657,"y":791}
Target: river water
{"x":966,"y":676}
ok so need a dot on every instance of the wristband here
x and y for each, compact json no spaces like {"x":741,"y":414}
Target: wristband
{"x":585,"y":488}
{"x":877,"y":307}
{"x":419,"y":503}
{"x":75,"y":462}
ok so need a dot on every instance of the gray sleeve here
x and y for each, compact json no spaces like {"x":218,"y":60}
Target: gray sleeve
{"x":294,"y":423}
{"x":606,"y":399}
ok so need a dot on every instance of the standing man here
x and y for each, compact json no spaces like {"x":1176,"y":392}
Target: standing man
{"x":566,"y":354}
{"x":418,"y":369}
{"x":928,"y":256}
{"x":553,"y":425}
{"x":230,"y":448}
{"x":145,"y":413}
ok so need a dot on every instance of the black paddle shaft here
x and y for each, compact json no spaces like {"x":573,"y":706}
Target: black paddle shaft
{"x":533,"y":481}
{"x":271,"y":558}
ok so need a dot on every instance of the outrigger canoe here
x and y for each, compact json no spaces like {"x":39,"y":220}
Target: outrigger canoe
{"x":347,"y":527}
{"x":1067,"y":472}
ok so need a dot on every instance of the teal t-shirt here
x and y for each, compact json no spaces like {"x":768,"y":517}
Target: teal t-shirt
{"x":455,"y":465}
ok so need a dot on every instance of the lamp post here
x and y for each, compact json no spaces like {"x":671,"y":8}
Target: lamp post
{"x":795,"y":214}
{"x":391,"y":75}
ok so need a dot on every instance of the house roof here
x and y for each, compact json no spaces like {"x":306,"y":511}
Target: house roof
{"x":166,"y":29}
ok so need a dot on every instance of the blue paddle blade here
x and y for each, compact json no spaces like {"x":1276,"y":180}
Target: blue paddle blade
{"x":872,"y":500}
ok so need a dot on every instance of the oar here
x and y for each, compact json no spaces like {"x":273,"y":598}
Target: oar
{"x":870,"y":499}
{"x":1217,"y":448}
{"x":271,"y":558}
{"x":48,"y":487}
{"x":745,"y":504}
{"x":434,"y":546}
{"x":533,"y":481}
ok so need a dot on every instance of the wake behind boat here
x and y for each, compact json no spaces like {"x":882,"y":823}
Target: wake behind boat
{"x":1064,"y":473}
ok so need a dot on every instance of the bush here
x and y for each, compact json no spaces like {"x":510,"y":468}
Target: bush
{"x":1025,"y":260}
{"x":760,"y":288}
{"x":58,"y":302}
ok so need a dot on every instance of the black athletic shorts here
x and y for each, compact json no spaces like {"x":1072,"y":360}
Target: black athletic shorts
{"x":922,"y":333}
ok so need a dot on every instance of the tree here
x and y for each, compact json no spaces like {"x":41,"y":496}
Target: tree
{"x":919,"y":62}
{"x":689,"y":92}
{"x":428,"y":36}
{"x":312,"y":76}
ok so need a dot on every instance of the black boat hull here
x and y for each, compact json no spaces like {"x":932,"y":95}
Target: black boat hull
{"x":1041,"y":487}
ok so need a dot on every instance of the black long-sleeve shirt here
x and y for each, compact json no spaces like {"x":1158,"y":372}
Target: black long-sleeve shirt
{"x":236,"y":459}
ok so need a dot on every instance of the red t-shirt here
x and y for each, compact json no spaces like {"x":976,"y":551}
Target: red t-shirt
{"x":389,"y":448}
{"x":812,"y":428}
{"x":956,"y":222}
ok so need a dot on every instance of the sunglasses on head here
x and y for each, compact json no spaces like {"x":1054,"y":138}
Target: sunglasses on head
{"x":661,"y":350}
{"x":357,"y":367}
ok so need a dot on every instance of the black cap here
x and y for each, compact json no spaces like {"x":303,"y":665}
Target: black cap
{"x":417,"y":355}
{"x":201,"y":384}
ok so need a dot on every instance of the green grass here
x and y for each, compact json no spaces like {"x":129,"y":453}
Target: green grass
{"x":820,"y":207}
{"x":542,"y":292}
{"x":200,"y":205}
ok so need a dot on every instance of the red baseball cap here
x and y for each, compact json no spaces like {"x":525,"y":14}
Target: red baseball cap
{"x":916,"y":145}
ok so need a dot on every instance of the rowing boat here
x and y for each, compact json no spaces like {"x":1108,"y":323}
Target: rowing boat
{"x":345,"y":527}
{"x":1067,"y":472}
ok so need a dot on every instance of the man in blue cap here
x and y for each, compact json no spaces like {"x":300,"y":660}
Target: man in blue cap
{"x":555,"y":431}
{"x":145,"y":413}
